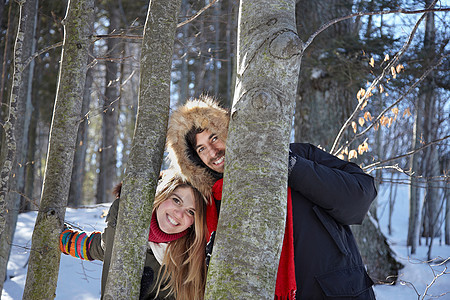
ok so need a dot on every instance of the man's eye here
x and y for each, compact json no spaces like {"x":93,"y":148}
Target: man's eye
{"x":200,"y":149}
{"x":214,"y":139}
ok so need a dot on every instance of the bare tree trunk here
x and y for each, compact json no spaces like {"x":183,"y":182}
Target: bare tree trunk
{"x":108,"y":160}
{"x":268,"y":65}
{"x":79,"y":162}
{"x":23,"y":114}
{"x":326,"y":97}
{"x":133,"y":223}
{"x":447,"y":209}
{"x":8,"y":209}
{"x":414,"y":190}
{"x":377,"y":255}
{"x":43,"y":265}
{"x":183,"y":84}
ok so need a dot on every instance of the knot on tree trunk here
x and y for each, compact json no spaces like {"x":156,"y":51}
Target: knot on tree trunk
{"x":286,"y":45}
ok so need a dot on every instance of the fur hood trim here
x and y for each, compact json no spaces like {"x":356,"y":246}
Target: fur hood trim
{"x":204,"y":113}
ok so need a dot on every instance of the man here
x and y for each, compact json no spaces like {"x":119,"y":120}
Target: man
{"x":326,"y":193}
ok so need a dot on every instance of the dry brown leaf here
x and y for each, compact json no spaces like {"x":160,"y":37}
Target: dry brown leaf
{"x":395,"y":112}
{"x":354,"y":126}
{"x":372,"y":62}
{"x":361,"y":121}
{"x":364,"y":147}
{"x":407,"y":112}
{"x":376,"y":126}
{"x":367,"y":116}
{"x":352,"y":154}
{"x":386,"y":57}
{"x":360,"y":94}
{"x":364,"y":105}
{"x":394,"y":74}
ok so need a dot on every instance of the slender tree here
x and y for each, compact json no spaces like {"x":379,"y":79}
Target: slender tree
{"x":130,"y":241}
{"x":108,"y":153}
{"x":79,"y":162}
{"x":43,"y":266}
{"x":24,"y":75}
{"x":253,"y":211}
{"x":8,"y":206}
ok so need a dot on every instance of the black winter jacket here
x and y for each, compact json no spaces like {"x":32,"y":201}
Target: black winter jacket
{"x":328,"y":194}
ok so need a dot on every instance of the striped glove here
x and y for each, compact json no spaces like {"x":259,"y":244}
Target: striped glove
{"x":76,"y":243}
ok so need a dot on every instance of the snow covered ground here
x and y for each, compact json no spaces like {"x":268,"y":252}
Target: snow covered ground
{"x":81,"y":279}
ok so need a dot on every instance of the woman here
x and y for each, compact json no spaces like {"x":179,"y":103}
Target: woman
{"x":175,"y":261}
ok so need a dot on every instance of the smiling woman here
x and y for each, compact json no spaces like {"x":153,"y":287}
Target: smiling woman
{"x":175,"y":260}
{"x":176,"y":213}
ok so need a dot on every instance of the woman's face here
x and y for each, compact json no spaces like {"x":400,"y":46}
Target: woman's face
{"x":176,"y":213}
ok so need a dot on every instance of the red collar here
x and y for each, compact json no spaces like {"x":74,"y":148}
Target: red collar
{"x":156,"y":235}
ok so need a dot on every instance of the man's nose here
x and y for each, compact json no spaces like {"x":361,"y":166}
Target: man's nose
{"x":213,"y":151}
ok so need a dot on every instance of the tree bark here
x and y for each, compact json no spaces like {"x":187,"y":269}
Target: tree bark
{"x":253,"y":211}
{"x":376,"y":253}
{"x":8,"y":205}
{"x":108,"y":160}
{"x":325,"y":95}
{"x":79,"y":162}
{"x":130,"y":242}
{"x":43,"y":265}
{"x":23,"y":114}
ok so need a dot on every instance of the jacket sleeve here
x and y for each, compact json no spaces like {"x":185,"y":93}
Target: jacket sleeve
{"x":90,"y":246}
{"x":339,"y":187}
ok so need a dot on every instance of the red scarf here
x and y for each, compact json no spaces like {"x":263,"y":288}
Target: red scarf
{"x":285,"y":285}
{"x":156,"y":235}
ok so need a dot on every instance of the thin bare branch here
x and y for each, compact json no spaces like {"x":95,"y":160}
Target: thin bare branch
{"x":197,"y":14}
{"x":376,"y":82}
{"x":405,"y":155}
{"x":360,"y":14}
{"x":36,"y":54}
{"x":401,"y":98}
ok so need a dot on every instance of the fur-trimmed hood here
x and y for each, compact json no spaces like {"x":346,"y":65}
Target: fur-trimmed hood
{"x":204,"y":113}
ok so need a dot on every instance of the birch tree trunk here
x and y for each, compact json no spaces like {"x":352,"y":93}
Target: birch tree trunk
{"x":22,"y":108}
{"x":253,"y":213}
{"x":138,"y":191}
{"x":8,"y":150}
{"x":43,"y":265}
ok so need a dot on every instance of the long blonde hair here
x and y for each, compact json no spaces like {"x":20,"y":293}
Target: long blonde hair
{"x":183,"y":269}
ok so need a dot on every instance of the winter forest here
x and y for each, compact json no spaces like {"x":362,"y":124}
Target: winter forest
{"x":87,"y":88}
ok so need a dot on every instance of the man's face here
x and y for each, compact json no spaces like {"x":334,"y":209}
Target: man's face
{"x":211,"y":150}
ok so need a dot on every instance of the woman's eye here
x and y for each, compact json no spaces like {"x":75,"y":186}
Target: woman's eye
{"x":191,"y":212}
{"x":176,"y":200}
{"x":200,"y":149}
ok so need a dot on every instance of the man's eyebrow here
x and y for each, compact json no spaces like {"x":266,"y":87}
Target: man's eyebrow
{"x":210,"y":137}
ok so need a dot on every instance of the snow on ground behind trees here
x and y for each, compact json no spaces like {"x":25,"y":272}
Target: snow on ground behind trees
{"x":81,"y":279}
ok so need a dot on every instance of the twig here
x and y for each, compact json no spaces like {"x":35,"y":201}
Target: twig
{"x":36,"y":54}
{"x":406,"y":154}
{"x":197,"y":14}
{"x":401,"y":98}
{"x":360,"y":14}
{"x":376,"y":81}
